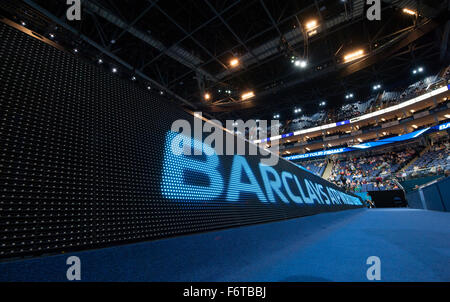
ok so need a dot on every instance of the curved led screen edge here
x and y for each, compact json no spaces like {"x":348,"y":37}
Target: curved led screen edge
{"x":87,"y":163}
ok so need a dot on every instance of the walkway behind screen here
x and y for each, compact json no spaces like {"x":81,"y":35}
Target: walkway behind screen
{"x":413,"y":245}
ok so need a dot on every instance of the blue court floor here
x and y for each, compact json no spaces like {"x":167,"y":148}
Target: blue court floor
{"x":413,"y":245}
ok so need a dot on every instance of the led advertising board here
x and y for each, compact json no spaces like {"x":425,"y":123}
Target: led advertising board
{"x":86,"y":162}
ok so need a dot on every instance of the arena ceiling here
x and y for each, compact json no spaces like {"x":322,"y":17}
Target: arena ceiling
{"x":184,"y":48}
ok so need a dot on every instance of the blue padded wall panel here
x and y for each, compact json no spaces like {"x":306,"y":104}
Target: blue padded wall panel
{"x":444,"y":188}
{"x":433,"y":198}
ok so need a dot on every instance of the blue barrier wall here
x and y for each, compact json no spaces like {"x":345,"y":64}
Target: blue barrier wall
{"x":433,"y":197}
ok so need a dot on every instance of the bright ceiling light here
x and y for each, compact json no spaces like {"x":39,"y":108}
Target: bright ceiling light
{"x":310,"y":25}
{"x":312,"y":32}
{"x":234,"y":62}
{"x":447,"y":115}
{"x":300,"y":63}
{"x":207,"y":96}
{"x":354,"y":55}
{"x":247,"y":95}
{"x":409,"y":11}
{"x":415,"y":126}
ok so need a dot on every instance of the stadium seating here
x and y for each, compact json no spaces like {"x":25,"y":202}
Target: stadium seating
{"x":372,"y":173}
{"x":433,"y":162}
{"x":314,"y":166}
{"x":351,"y":110}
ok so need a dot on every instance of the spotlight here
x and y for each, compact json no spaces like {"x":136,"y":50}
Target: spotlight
{"x":248,"y":95}
{"x":311,"y":25}
{"x":312,"y":33}
{"x":133,"y":78}
{"x":234,"y":62}
{"x":300,"y":63}
{"x":418,"y":70}
{"x":149,"y":88}
{"x":207,"y":96}
{"x":114,"y":70}
{"x":353,"y":55}
{"x":409,"y":11}
{"x":276,"y":116}
{"x":23,"y":23}
{"x":52,"y":36}
{"x":75,"y":50}
{"x":100,"y":61}
{"x":161,"y":92}
{"x":297,"y":110}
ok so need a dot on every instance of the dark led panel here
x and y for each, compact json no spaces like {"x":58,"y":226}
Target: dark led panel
{"x":85,"y":162}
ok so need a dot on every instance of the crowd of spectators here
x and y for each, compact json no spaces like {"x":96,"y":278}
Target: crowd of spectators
{"x":434,"y":162}
{"x":360,"y":174}
{"x":315,"y":166}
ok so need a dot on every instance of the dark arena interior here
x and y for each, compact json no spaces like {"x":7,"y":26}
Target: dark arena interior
{"x":224,"y":141}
